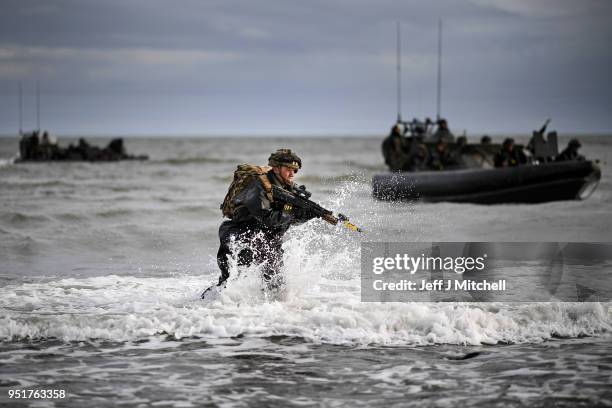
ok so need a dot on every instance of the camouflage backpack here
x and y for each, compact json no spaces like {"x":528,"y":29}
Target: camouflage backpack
{"x":243,"y":176}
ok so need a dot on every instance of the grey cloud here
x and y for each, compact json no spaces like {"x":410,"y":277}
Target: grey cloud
{"x":505,"y":62}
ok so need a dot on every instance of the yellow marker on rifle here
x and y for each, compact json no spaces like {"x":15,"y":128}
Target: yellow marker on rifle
{"x":352,"y":226}
{"x":349,"y":225}
{"x":329,"y":217}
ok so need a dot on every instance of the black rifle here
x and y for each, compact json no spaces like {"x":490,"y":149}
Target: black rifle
{"x":301,"y":199}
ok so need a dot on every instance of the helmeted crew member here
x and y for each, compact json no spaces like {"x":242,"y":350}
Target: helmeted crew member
{"x":443,"y":132}
{"x":571,"y":152}
{"x":418,"y":156}
{"x":509,"y":156}
{"x":261,"y":223}
{"x":440,"y":158}
{"x":394,"y":148}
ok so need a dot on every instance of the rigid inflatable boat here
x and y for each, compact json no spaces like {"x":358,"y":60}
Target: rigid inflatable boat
{"x":570,"y":180}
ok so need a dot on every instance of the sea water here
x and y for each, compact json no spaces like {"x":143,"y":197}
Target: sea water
{"x":102,"y":266}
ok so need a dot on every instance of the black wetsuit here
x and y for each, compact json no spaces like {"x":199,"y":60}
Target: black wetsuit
{"x":257,"y":226}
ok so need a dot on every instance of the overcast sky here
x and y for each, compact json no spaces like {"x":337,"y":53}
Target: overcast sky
{"x":303,"y":67}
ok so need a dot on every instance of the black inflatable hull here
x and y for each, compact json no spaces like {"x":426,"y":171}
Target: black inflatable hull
{"x":574,"y":180}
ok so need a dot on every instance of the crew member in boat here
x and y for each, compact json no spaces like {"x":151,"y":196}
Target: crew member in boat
{"x":441,"y":158}
{"x":510,"y":155}
{"x":443,"y":132}
{"x":485,"y":140}
{"x":395,"y":148}
{"x":571,"y":152}
{"x":419,"y":156}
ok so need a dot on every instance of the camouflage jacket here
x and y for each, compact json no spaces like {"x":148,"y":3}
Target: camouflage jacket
{"x":255,"y":213}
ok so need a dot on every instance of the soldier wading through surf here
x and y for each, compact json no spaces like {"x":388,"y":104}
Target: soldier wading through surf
{"x":257,"y":222}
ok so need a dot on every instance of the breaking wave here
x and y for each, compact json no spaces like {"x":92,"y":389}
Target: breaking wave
{"x":129,"y":308}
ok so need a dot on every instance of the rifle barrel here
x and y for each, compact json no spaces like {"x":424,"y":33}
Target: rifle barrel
{"x":281,"y":194}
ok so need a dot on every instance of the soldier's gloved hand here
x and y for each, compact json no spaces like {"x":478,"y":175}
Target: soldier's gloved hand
{"x":298,"y":214}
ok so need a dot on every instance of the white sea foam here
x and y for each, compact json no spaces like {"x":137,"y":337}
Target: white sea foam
{"x":128,"y":308}
{"x":7,"y":162}
{"x":321,"y":304}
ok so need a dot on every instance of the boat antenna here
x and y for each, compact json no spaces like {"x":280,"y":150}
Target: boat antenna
{"x":38,"y":105}
{"x":20,"y":109}
{"x":439,"y":96}
{"x":399,"y":76}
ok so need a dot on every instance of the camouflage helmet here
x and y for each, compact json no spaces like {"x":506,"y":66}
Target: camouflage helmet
{"x":285,"y":158}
